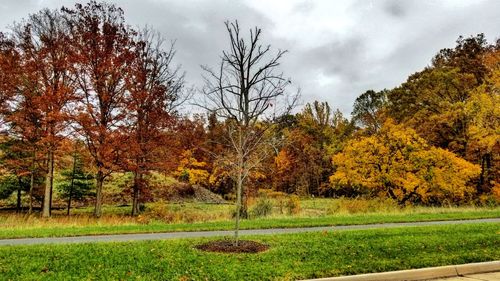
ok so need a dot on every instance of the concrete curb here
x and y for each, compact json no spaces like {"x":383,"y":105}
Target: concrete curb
{"x":422,"y":273}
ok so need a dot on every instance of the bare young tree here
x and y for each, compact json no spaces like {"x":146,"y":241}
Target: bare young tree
{"x":245,"y":90}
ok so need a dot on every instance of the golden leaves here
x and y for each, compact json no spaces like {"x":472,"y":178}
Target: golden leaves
{"x":399,"y":163}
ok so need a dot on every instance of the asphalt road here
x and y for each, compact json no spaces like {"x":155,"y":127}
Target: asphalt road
{"x":196,"y":234}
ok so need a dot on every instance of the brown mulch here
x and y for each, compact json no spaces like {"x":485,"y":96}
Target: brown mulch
{"x":227,"y":246}
{"x":204,"y":195}
{"x":181,"y":192}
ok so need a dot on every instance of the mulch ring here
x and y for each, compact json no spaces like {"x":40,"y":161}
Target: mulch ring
{"x":227,"y":246}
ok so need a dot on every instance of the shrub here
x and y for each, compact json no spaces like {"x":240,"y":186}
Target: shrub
{"x":142,"y":219}
{"x":362,"y":205}
{"x":159,"y":210}
{"x":269,"y":193}
{"x":292,"y":205}
{"x":495,"y":191}
{"x":488,"y":200}
{"x":262,"y":208}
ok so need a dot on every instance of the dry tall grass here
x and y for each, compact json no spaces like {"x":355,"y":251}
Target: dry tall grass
{"x":163,"y":212}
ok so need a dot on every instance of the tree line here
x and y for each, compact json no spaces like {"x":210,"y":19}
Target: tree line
{"x":84,"y":95}
{"x":83,"y":73}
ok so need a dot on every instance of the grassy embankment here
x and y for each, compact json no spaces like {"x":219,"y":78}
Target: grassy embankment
{"x":291,"y":256}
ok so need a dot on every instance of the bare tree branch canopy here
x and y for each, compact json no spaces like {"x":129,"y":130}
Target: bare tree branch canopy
{"x":245,"y":89}
{"x":247,"y":85}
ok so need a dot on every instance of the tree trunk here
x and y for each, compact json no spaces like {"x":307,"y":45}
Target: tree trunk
{"x":19,"y":187}
{"x":140,"y":164}
{"x":69,"y":202}
{"x":483,"y":185}
{"x":51,"y":179}
{"x":392,"y":195}
{"x":487,"y":173}
{"x":47,"y":198}
{"x":72,"y":183}
{"x":135,"y":194}
{"x":244,"y":203}
{"x":239,"y":187}
{"x":32,"y":182}
{"x":98,"y":197}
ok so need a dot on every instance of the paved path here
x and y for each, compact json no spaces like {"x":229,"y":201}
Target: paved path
{"x":194,"y":234}
{"x":492,"y":276}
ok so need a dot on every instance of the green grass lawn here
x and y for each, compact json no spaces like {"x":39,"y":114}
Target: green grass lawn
{"x":60,"y":229}
{"x":291,"y":256}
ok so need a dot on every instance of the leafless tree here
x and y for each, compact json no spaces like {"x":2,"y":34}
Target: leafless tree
{"x":247,"y":90}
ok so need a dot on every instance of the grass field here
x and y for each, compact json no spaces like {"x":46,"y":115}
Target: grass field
{"x":291,"y":256}
{"x":197,"y":216}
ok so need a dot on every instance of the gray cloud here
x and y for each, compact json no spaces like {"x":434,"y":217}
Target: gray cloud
{"x":339,"y":57}
{"x":337,"y":49}
{"x":305,"y":6}
{"x":395,"y":8}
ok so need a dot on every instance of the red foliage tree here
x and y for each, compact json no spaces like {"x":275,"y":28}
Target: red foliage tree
{"x":42,"y":41}
{"x":153,"y":92}
{"x":101,"y":47}
{"x":20,"y":109}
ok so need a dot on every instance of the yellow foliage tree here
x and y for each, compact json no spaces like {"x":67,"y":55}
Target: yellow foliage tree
{"x":399,"y":164}
{"x":484,"y":127}
{"x":192,"y":170}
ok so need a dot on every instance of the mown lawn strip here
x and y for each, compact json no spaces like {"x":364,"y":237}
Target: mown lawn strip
{"x":290,"y":257}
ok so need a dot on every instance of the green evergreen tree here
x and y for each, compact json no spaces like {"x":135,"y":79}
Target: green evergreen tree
{"x":77,"y":183}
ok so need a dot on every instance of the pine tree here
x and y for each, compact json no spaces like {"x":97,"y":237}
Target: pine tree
{"x":77,"y":183}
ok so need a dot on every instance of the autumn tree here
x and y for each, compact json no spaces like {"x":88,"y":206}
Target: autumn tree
{"x":368,"y":110}
{"x":432,"y":101}
{"x":484,"y":126}
{"x":192,"y":170}
{"x":245,"y":89}
{"x":9,"y":74}
{"x":22,"y":148}
{"x":215,"y":144}
{"x":76,"y":183}
{"x":303,"y":163}
{"x":185,"y":133}
{"x":42,"y":40}
{"x":22,"y":117}
{"x":154,"y":91}
{"x":446,"y":101}
{"x":14,"y":164}
{"x":10,"y":160}
{"x":101,"y":47}
{"x":396,"y":163}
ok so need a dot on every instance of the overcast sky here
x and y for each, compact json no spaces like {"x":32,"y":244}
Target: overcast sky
{"x":337,"y":49}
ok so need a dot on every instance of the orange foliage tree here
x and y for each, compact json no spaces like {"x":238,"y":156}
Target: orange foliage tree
{"x":303,"y":163}
{"x":42,"y":41}
{"x":484,"y":127}
{"x":101,"y":47}
{"x":154,"y":88}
